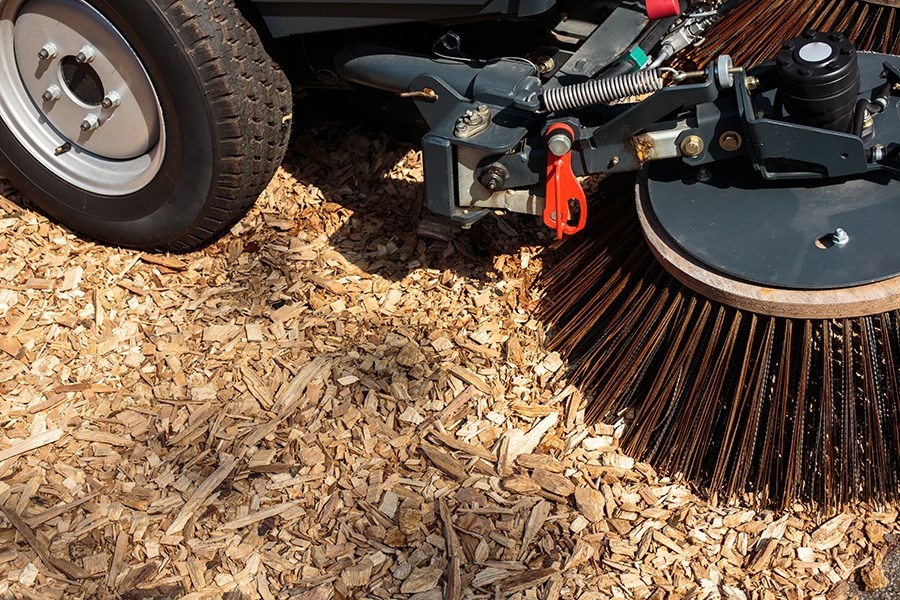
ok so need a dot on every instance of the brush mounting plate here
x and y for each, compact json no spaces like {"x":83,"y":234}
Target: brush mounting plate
{"x":779,"y":234}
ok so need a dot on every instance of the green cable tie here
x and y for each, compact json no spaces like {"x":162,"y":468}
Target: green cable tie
{"x":638,"y":57}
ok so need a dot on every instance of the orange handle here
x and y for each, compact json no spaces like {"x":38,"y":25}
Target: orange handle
{"x":562,"y":190}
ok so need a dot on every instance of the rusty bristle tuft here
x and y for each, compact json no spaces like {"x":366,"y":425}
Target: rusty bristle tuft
{"x":745,"y":404}
{"x":754,"y":31}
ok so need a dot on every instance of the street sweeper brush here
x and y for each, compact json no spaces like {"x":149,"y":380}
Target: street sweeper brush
{"x":768,"y":392}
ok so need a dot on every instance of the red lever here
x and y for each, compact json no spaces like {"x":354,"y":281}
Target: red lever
{"x":562,"y":188}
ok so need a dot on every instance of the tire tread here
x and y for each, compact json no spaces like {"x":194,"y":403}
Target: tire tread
{"x":251,"y":100}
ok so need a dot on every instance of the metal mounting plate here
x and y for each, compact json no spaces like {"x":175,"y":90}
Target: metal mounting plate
{"x":767,"y":232}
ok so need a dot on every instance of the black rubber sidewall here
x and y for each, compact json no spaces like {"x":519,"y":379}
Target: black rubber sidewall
{"x":163,"y":210}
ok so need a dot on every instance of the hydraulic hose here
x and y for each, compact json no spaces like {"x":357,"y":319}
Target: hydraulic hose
{"x":601,"y":91}
{"x":874,"y":107}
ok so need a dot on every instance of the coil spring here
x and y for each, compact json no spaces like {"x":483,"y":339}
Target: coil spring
{"x":600,"y":91}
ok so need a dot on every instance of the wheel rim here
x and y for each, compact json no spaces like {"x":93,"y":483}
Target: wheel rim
{"x":77,"y":97}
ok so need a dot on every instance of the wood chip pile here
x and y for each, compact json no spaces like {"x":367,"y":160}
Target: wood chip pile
{"x":321,"y":405}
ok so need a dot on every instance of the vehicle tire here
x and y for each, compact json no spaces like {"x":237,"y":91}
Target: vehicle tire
{"x":166,"y":121}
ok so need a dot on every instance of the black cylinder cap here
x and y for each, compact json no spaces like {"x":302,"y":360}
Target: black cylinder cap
{"x":818,"y":80}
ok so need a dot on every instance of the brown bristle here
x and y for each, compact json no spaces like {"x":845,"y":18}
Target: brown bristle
{"x":776,"y":408}
{"x":754,"y":31}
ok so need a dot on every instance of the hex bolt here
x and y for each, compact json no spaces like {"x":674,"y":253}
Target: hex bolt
{"x":52,"y":93}
{"x":48,"y":51}
{"x":90,"y":122}
{"x":730,"y":141}
{"x":692,"y":146}
{"x":86,"y":54}
{"x":703,"y":175}
{"x":112,"y":100}
{"x":545,"y":64}
{"x":840,"y":237}
{"x":559,"y":144}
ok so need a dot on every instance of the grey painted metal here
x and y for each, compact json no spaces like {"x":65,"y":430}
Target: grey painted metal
{"x":124,"y":151}
{"x":502,"y":82}
{"x":769,"y":232}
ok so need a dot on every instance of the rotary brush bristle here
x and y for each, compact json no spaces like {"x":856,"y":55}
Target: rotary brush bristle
{"x":753,"y":31}
{"x":779,"y":409}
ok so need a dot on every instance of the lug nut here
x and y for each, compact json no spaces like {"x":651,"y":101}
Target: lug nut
{"x":86,"y":55}
{"x":52,"y":93}
{"x":90,"y":123}
{"x":692,"y":146}
{"x":840,"y":237}
{"x":48,"y":51}
{"x":112,"y":100}
{"x":559,"y":144}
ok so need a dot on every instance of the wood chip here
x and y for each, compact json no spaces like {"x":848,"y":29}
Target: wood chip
{"x":535,"y":523}
{"x":65,"y":567}
{"x":261,"y":515}
{"x":421,"y":579}
{"x":470,"y":377}
{"x":553,"y":482}
{"x":445,"y":462}
{"x":525,"y":580}
{"x":203,"y":491}
{"x":590,"y":503}
{"x":31,"y":443}
{"x":873,"y":577}
{"x":831,"y":533}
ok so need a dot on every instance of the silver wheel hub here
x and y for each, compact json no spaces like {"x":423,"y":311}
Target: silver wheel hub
{"x":77,"y":96}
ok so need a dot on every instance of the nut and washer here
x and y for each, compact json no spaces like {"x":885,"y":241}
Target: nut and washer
{"x":692,"y":146}
{"x":52,"y":93}
{"x":840,"y":237}
{"x":473,"y":122}
{"x":112,"y":100}
{"x":731,"y":141}
{"x":703,"y":175}
{"x":559,"y":144}
{"x":90,"y":123}
{"x":48,"y":51}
